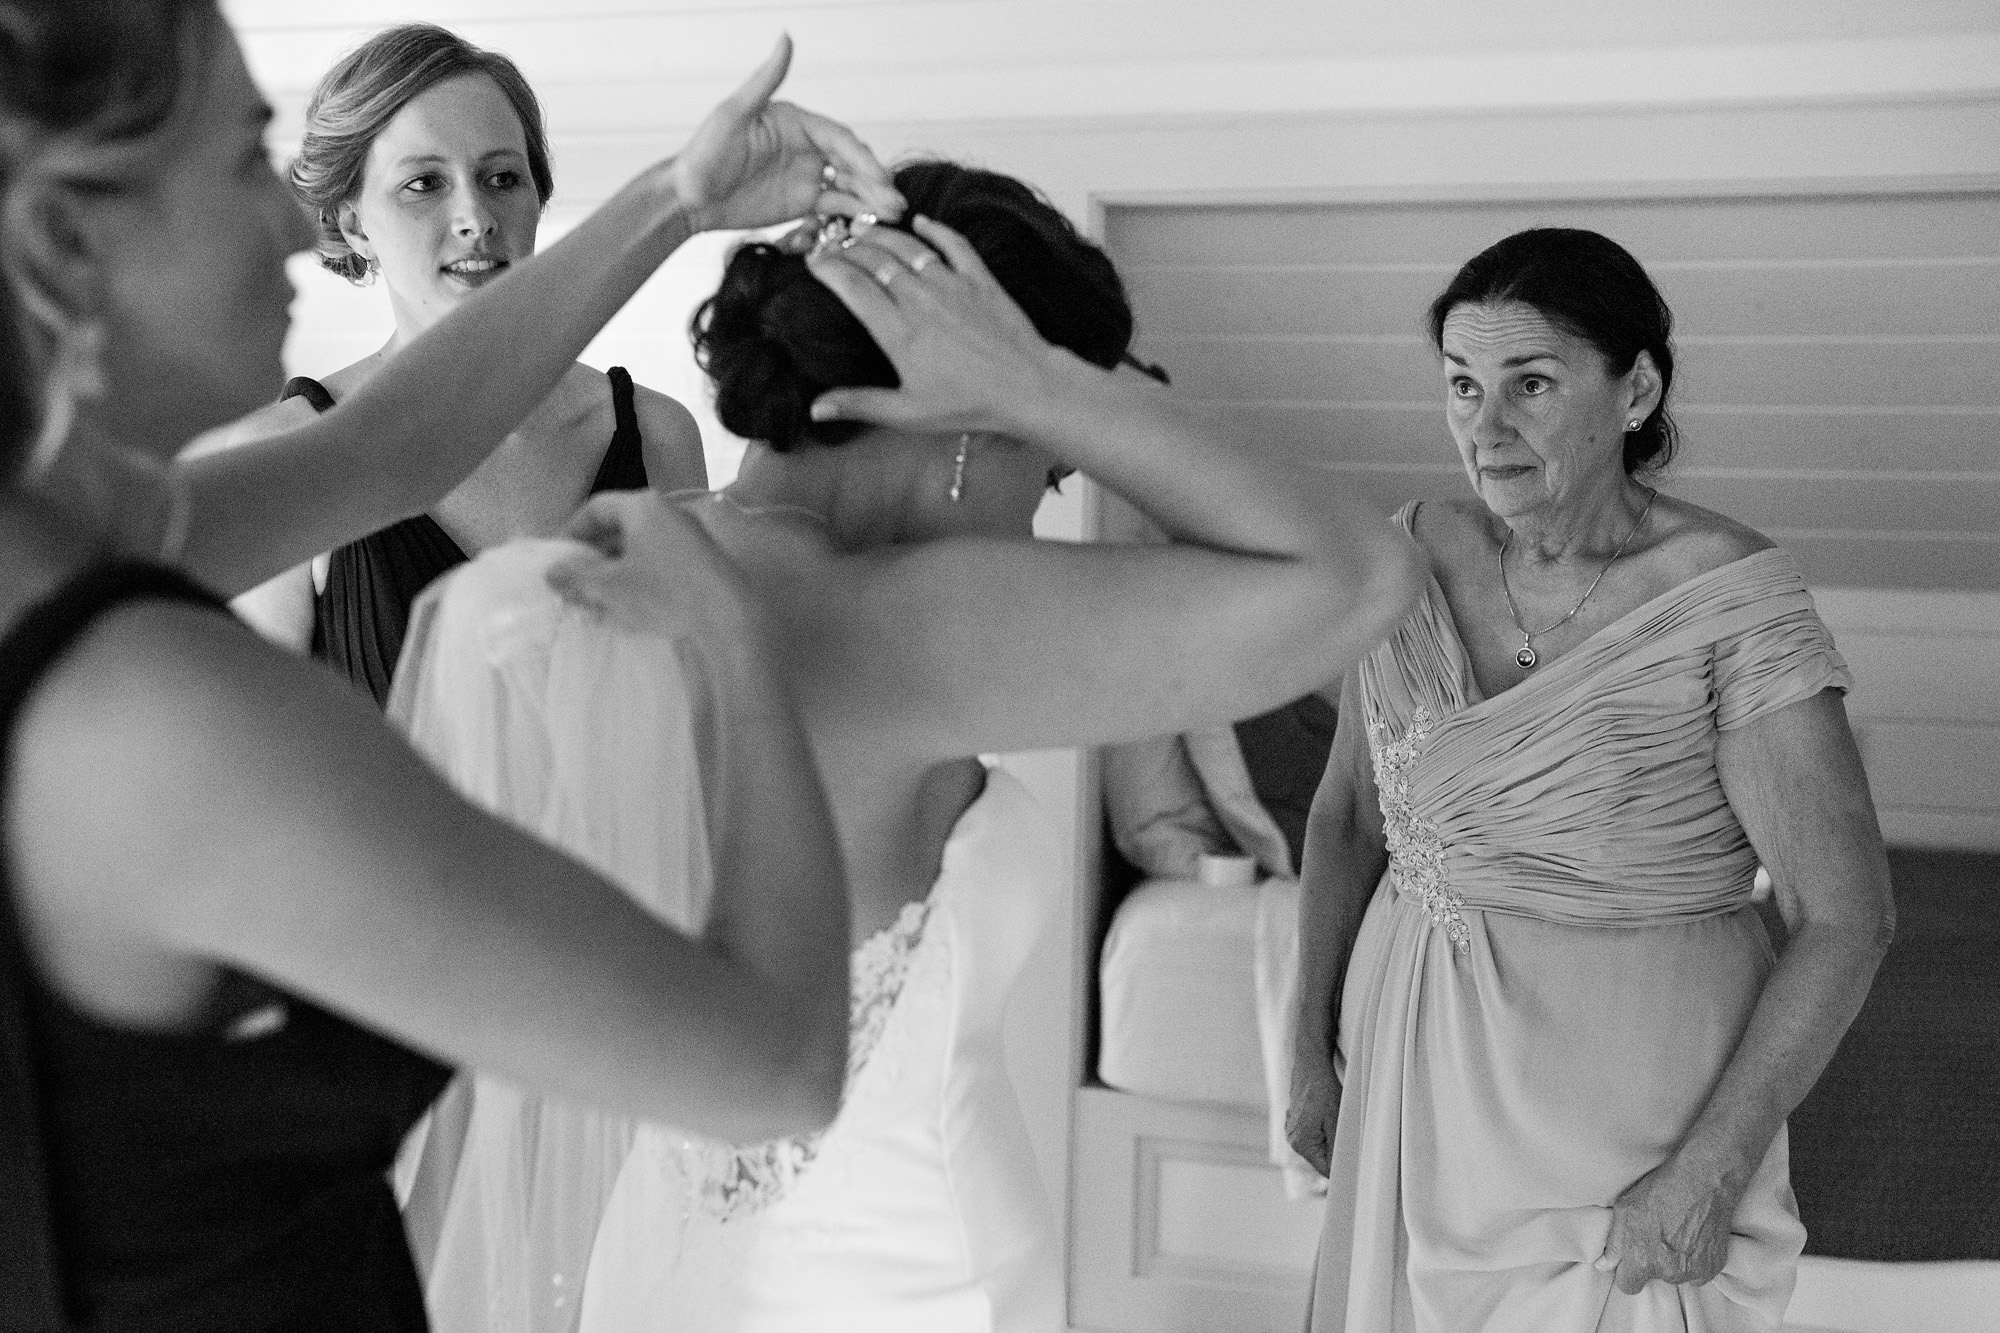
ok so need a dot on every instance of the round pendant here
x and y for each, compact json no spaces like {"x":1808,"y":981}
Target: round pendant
{"x":1526,"y":657}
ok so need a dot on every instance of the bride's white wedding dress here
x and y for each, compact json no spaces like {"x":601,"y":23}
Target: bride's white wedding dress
{"x":919,"y":1208}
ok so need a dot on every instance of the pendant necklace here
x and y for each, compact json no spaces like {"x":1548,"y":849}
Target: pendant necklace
{"x":1527,"y":657}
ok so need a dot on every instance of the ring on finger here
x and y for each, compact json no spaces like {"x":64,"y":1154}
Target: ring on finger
{"x":922,"y":262}
{"x":887,"y":273}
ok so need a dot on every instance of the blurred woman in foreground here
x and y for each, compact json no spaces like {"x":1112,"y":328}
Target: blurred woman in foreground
{"x":240,"y":923}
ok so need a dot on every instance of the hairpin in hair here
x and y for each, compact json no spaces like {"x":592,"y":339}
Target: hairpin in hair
{"x":822,"y":230}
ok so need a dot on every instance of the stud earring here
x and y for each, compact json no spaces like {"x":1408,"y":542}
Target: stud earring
{"x":958,"y":468}
{"x":1633,"y":424}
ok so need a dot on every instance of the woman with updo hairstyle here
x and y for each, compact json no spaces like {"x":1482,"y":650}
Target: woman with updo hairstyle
{"x":1545,"y":1048}
{"x":910,"y":392}
{"x":425,"y":164}
{"x":243,"y":928}
{"x":773,"y":338}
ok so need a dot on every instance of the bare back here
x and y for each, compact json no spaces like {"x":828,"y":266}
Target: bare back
{"x":895,"y":800}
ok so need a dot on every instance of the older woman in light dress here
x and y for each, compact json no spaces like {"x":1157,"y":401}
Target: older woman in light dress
{"x":1546,"y":1049}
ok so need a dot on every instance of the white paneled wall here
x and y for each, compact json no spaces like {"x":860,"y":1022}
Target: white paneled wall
{"x":1837,"y":379}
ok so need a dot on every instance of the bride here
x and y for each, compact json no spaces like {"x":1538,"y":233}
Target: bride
{"x":911,"y":393}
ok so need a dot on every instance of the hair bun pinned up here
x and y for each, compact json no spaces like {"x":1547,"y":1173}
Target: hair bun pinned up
{"x":773,"y":338}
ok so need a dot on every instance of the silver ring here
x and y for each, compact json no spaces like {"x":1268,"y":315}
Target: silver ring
{"x":922,"y":262}
{"x":887,"y":273}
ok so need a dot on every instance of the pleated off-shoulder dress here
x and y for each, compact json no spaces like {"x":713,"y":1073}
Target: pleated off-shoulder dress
{"x":1556,"y":967}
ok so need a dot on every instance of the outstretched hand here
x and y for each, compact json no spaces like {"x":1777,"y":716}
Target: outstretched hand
{"x":754,"y":162}
{"x":1673,"y":1225}
{"x":966,"y":356}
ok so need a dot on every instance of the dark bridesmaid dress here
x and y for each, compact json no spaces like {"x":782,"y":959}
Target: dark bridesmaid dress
{"x":229,"y":1178}
{"x":370,"y":584}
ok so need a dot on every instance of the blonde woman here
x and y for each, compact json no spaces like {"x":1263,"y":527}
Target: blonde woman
{"x":242,"y":927}
{"x":426,"y":164}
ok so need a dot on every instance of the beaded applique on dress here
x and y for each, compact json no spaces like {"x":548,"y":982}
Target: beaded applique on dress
{"x":1416,"y":850}
{"x":732,"y":1182}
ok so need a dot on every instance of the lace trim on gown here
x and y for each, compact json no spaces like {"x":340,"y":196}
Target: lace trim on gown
{"x":1416,"y":845}
{"x":730,"y":1182}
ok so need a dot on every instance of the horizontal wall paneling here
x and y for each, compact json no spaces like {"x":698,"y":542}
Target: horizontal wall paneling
{"x":1839,"y":353}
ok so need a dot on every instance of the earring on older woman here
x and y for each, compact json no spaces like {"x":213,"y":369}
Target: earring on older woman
{"x":958,"y":468}
{"x":1633,"y":425}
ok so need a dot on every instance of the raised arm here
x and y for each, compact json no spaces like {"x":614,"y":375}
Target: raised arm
{"x":1345,"y":855}
{"x":187,"y":795}
{"x":1274,"y":579}
{"x":1795,"y":782}
{"x":417,"y":428}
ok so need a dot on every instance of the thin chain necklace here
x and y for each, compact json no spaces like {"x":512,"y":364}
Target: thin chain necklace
{"x":756,"y":511}
{"x":1527,"y":657}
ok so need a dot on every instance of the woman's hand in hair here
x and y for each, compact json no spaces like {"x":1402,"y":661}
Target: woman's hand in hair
{"x":755,"y":162}
{"x":964,"y":353}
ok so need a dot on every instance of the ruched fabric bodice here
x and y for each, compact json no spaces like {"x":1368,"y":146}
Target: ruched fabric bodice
{"x":1588,"y":795}
{"x":1556,"y":966}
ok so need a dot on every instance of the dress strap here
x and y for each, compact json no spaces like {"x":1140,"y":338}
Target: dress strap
{"x":624,"y":465}
{"x":310,"y":389}
{"x":31,"y":1293}
{"x":623,"y":408}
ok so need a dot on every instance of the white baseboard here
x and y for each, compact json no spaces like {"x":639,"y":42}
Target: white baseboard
{"x":1853,"y":1296}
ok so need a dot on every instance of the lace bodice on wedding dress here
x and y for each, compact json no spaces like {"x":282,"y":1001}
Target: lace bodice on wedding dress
{"x":732,"y":1183}
{"x":920,"y":1207}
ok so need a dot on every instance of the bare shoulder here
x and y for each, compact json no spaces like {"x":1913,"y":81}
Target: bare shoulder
{"x":154,"y":673}
{"x":670,"y":440}
{"x":656,"y":408}
{"x":1690,"y":540}
{"x":170,"y":733}
{"x":137,"y":748}
{"x":1453,"y":532}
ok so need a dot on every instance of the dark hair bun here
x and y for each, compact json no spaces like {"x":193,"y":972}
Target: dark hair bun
{"x":773,"y":338}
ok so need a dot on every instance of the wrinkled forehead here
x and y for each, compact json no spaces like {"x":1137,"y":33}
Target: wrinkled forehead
{"x":1505,"y":332}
